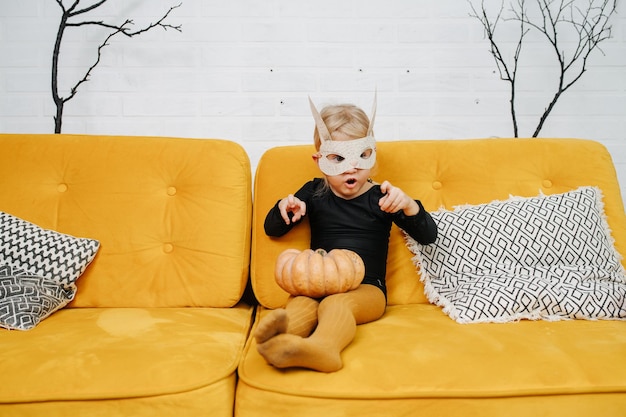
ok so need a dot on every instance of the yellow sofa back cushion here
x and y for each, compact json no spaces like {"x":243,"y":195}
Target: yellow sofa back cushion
{"x":441,"y":173}
{"x":173,"y":216}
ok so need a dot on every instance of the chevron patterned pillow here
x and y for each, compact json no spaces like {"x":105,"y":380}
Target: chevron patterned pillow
{"x":38,"y":270}
{"x":53,"y":255}
{"x":546,"y":257}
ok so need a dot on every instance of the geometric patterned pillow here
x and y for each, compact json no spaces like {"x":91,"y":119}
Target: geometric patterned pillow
{"x":546,"y":257}
{"x":47,"y":253}
{"x":38,"y":270}
{"x":26,"y":299}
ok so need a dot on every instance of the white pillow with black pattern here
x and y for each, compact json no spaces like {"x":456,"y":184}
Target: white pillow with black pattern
{"x":546,"y":257}
{"x":26,"y":299}
{"x":55,"y":256}
{"x":38,"y":270}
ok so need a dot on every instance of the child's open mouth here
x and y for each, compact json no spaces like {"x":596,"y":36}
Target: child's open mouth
{"x":351,"y":181}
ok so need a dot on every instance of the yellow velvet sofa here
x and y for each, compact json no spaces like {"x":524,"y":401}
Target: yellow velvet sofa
{"x":415,"y":360}
{"x":157,"y":327}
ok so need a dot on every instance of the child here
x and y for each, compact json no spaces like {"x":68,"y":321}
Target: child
{"x":345,"y":210}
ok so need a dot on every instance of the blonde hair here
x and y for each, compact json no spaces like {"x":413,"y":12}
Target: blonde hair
{"x":346,"y":120}
{"x":343,"y":120}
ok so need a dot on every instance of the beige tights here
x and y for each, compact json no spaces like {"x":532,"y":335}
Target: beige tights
{"x":282,"y":335}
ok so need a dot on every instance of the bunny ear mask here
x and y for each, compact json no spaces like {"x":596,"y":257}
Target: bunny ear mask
{"x":337,"y":156}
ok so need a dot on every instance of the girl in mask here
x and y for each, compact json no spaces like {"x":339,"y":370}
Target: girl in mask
{"x":346,"y":210}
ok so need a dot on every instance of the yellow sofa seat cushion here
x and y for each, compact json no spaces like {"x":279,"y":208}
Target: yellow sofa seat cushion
{"x":442,"y":174}
{"x":441,"y":360}
{"x":88,"y":354}
{"x":172,"y":215}
{"x":215,"y":400}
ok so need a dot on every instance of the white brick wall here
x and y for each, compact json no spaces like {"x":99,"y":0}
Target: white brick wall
{"x":242,"y":70}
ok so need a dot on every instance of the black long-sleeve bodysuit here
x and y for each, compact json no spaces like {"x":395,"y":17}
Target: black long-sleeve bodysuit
{"x":357,"y":224}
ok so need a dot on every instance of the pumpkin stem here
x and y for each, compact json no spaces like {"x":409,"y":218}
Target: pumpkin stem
{"x":321,"y":252}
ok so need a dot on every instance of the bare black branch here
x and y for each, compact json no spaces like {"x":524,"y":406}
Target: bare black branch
{"x":587,"y":20}
{"x":66,"y":21}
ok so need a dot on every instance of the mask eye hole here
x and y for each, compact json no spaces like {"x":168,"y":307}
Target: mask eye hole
{"x":367,"y":153}
{"x":334,"y":158}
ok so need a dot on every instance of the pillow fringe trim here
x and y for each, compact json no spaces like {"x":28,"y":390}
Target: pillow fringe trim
{"x":434,"y":297}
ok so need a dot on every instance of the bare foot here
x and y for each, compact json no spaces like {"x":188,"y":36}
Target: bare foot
{"x":271,"y":325}
{"x":288,"y":350}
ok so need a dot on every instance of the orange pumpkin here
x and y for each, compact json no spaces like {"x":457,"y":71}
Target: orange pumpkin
{"x":317,"y":273}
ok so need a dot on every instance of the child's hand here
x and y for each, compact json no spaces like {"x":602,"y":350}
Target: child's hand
{"x":395,"y":200}
{"x":292,"y":204}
